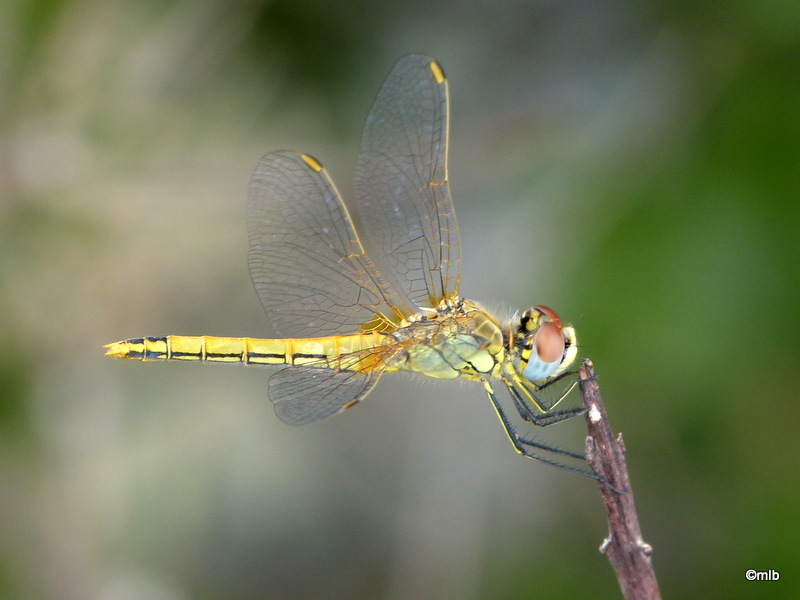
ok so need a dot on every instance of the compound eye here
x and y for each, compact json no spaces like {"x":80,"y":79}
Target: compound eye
{"x":550,"y":313}
{"x":549,"y":343}
{"x":548,"y":352}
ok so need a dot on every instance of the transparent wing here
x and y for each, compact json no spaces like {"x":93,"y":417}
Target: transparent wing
{"x":304,"y":394}
{"x":401,"y":181}
{"x":306,"y":261}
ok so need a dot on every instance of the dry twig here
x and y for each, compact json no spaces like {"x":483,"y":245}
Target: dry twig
{"x":625,"y":548}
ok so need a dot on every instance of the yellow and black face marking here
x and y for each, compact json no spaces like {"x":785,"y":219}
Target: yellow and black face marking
{"x":342,"y":323}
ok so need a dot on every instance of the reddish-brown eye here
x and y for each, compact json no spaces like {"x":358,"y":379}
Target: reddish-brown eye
{"x":549,"y":343}
{"x":550,"y":313}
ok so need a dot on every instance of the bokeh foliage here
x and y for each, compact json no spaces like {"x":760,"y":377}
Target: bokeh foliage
{"x":634,"y":165}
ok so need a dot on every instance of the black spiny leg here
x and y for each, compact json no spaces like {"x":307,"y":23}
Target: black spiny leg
{"x":533,"y":449}
{"x":530,"y":408}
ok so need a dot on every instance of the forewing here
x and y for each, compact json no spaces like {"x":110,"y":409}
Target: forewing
{"x":306,"y":261}
{"x":401,"y":181}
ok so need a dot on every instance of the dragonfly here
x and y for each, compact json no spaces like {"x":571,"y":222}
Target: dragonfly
{"x":343,"y":322}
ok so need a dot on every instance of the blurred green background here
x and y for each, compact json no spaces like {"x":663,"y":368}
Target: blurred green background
{"x":635,"y":165}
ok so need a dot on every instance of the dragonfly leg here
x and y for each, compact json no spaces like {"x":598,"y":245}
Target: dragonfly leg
{"x":519,"y":403}
{"x":536,"y":450}
{"x":531,"y":409}
{"x":559,"y":378}
{"x":550,"y":418}
{"x":570,"y":387}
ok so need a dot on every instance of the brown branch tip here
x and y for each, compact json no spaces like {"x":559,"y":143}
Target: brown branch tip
{"x":629,"y":554}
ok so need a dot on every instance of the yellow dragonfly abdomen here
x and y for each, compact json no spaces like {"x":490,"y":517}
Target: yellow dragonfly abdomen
{"x":326,"y":351}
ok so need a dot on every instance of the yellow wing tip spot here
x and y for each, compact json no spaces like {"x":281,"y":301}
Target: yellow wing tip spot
{"x":438,"y":74}
{"x":311,"y":162}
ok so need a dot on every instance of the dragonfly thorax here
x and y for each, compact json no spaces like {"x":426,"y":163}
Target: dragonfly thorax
{"x":457,"y":339}
{"x":548,"y":347}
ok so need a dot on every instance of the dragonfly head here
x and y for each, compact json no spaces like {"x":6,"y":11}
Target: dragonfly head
{"x":548,"y":346}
